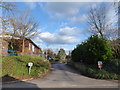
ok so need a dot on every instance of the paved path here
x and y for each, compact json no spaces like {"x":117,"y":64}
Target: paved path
{"x":63,"y":76}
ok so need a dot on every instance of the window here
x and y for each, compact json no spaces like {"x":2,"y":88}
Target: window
{"x":33,"y":48}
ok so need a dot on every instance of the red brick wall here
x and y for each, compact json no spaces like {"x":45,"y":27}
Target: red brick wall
{"x":19,"y":43}
{"x":4,"y":48}
{"x":37,"y":50}
{"x":27,"y":50}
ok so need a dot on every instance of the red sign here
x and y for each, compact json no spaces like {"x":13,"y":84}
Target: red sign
{"x":99,"y":66}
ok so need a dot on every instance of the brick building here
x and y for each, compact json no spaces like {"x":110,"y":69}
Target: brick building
{"x":29,"y":48}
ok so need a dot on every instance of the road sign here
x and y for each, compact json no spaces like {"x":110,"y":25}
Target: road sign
{"x":30,"y":64}
{"x":100,"y":64}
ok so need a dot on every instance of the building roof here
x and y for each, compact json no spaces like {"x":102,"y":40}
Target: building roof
{"x":9,"y":36}
{"x":33,"y":43}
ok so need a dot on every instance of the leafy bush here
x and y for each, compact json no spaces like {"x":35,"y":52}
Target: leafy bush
{"x":76,"y":55}
{"x":113,"y":66}
{"x":56,"y":59}
{"x":81,"y":67}
{"x":103,"y":74}
{"x":16,"y":66}
{"x":93,"y":72}
{"x":93,"y":50}
{"x":98,"y":49}
{"x":61,"y":54}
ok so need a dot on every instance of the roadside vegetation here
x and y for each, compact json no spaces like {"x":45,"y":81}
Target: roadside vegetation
{"x":59,"y":57}
{"x":85,"y":58}
{"x":109,"y":71}
{"x":17,"y":66}
{"x":103,"y":45}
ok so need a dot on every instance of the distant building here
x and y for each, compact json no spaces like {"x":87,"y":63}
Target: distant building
{"x":30,"y":46}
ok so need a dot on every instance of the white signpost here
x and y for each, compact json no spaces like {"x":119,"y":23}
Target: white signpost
{"x":30,"y":64}
{"x":100,"y":64}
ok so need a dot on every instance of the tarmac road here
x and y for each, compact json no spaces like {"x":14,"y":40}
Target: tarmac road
{"x":63,"y":76}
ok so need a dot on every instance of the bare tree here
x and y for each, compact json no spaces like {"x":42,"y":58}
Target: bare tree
{"x":117,"y":10}
{"x":6,"y":14}
{"x":100,"y":21}
{"x":116,"y":5}
{"x":116,"y":47}
{"x":7,"y":6}
{"x":25,"y":26}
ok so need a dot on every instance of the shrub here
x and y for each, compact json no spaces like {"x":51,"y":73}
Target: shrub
{"x":56,"y":59}
{"x":61,"y":54}
{"x":98,"y":49}
{"x":113,"y":66}
{"x":75,"y":55}
{"x":81,"y":67}
{"x":93,"y":72}
{"x":92,"y":50}
{"x":16,"y":66}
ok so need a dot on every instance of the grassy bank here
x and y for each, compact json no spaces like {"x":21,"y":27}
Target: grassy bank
{"x":16,"y":66}
{"x":110,"y":70}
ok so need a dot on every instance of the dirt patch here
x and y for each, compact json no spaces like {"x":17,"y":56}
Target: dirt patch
{"x":8,"y":78}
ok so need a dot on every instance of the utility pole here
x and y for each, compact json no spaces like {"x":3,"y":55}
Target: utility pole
{"x":46,"y":50}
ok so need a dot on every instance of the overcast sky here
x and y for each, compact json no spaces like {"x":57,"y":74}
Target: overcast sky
{"x":62,"y":25}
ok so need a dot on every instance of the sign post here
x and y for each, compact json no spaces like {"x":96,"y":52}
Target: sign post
{"x":30,"y":64}
{"x":100,"y":64}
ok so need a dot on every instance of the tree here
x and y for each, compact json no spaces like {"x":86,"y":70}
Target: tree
{"x":115,"y":43}
{"x":98,"y":49}
{"x":61,"y":54}
{"x":93,"y":50}
{"x":116,"y":5}
{"x":7,"y":13}
{"x":100,"y":23}
{"x":79,"y":53}
{"x":7,"y":6}
{"x":49,"y":53}
{"x":68,"y":57}
{"x":76,"y":55}
{"x":25,"y":26}
{"x":116,"y":48}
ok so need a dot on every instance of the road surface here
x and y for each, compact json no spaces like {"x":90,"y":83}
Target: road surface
{"x":63,"y":76}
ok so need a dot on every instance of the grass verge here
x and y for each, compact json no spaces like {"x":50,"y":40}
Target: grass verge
{"x":16,"y":66}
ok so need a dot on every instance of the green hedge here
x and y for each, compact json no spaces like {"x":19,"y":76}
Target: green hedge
{"x":16,"y":66}
{"x":94,"y":72}
{"x":93,"y":50}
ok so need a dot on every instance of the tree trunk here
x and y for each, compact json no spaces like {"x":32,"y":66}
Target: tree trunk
{"x":23,"y":46}
{"x":101,"y":34}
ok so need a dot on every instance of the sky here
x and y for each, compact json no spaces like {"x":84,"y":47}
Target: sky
{"x":61,"y":24}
